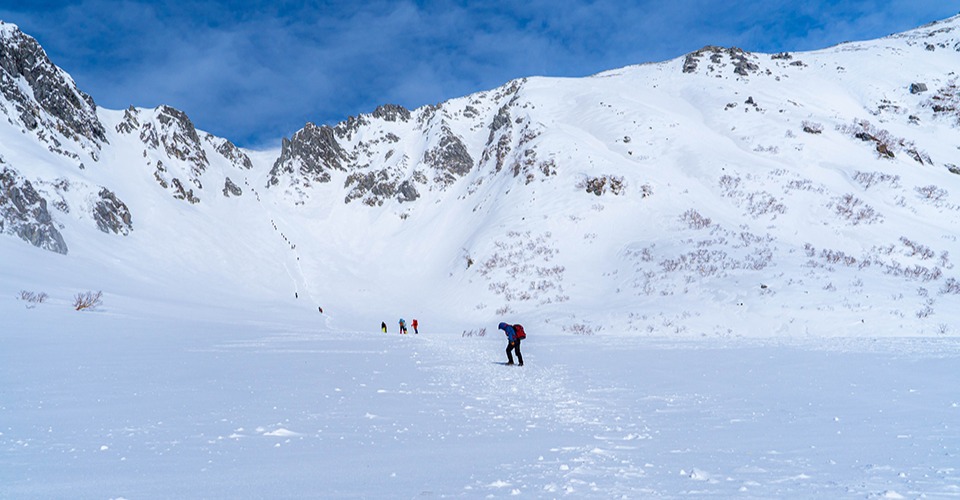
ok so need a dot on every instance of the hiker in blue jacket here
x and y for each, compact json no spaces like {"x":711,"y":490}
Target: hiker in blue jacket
{"x":513,"y":344}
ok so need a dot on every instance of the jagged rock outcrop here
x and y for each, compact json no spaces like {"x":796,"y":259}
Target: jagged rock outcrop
{"x":742,"y":61}
{"x":23,"y":212}
{"x":309,"y":156}
{"x":373,"y":187}
{"x":449,"y":159}
{"x":44,"y":97}
{"x":498,"y":142}
{"x":229,"y":188}
{"x":392,"y":113}
{"x":407,"y":191}
{"x":600,"y":185}
{"x":178,"y":136}
{"x":170,"y":129}
{"x":111,"y":214}
{"x":170,"y":135}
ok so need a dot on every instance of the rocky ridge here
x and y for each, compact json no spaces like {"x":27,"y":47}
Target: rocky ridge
{"x":44,"y":100}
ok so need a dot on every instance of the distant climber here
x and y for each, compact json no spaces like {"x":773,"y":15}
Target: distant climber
{"x":513,"y":343}
{"x":415,"y":326}
{"x":383,"y":326}
{"x":403,"y":326}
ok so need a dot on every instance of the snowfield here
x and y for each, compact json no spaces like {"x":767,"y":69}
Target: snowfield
{"x":101,"y":405}
{"x":737,"y":271}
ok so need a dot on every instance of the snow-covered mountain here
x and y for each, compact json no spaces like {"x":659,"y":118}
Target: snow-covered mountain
{"x":719,"y":193}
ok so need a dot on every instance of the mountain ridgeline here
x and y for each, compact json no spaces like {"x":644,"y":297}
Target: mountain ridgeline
{"x":720,"y":193}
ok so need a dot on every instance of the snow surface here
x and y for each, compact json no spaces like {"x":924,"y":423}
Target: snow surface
{"x":103,"y":405}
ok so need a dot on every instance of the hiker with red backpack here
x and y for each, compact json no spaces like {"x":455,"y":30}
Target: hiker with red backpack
{"x":515,"y":334}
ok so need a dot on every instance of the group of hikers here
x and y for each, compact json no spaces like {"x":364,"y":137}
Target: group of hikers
{"x":403,"y":326}
{"x":515,"y":334}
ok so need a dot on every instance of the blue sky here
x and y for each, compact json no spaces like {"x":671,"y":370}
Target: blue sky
{"x":255,"y":71}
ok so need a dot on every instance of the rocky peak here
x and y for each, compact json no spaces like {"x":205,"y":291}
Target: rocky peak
{"x":310,"y":155}
{"x":44,"y":96}
{"x":170,"y":129}
{"x":392,"y":113}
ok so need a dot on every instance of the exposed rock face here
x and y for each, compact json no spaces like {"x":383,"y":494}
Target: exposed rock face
{"x":600,"y":185}
{"x":169,"y":133}
{"x":392,"y":113}
{"x":229,"y":188}
{"x":742,"y":61}
{"x":230,"y":151}
{"x":182,"y":193}
{"x":407,"y":191}
{"x":170,"y":129}
{"x":498,"y":142}
{"x":55,"y":104}
{"x":309,"y":156}
{"x":111,"y":214}
{"x":179,"y":138}
{"x":449,"y":158}
{"x":397,"y":154}
{"x":373,"y":187}
{"x":23,"y":212}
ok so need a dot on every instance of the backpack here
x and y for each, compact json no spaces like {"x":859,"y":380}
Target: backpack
{"x":520,"y":334}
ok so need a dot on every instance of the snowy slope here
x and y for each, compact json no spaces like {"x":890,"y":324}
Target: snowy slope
{"x":720,"y":193}
{"x":803,"y":225}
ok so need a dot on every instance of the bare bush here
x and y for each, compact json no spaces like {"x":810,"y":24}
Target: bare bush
{"x":932,"y":193}
{"x":518,"y":259}
{"x":945,"y":101}
{"x":87,"y":300}
{"x":763,"y":203}
{"x":759,"y":148}
{"x":916,"y":249}
{"x":838,"y":257}
{"x":854,"y":210}
{"x":870,"y":179}
{"x":475,"y":333}
{"x":887,"y":144}
{"x":729,"y":185}
{"x":951,"y":286}
{"x":580,"y":329}
{"x":33,"y":297}
{"x":694,"y":220}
